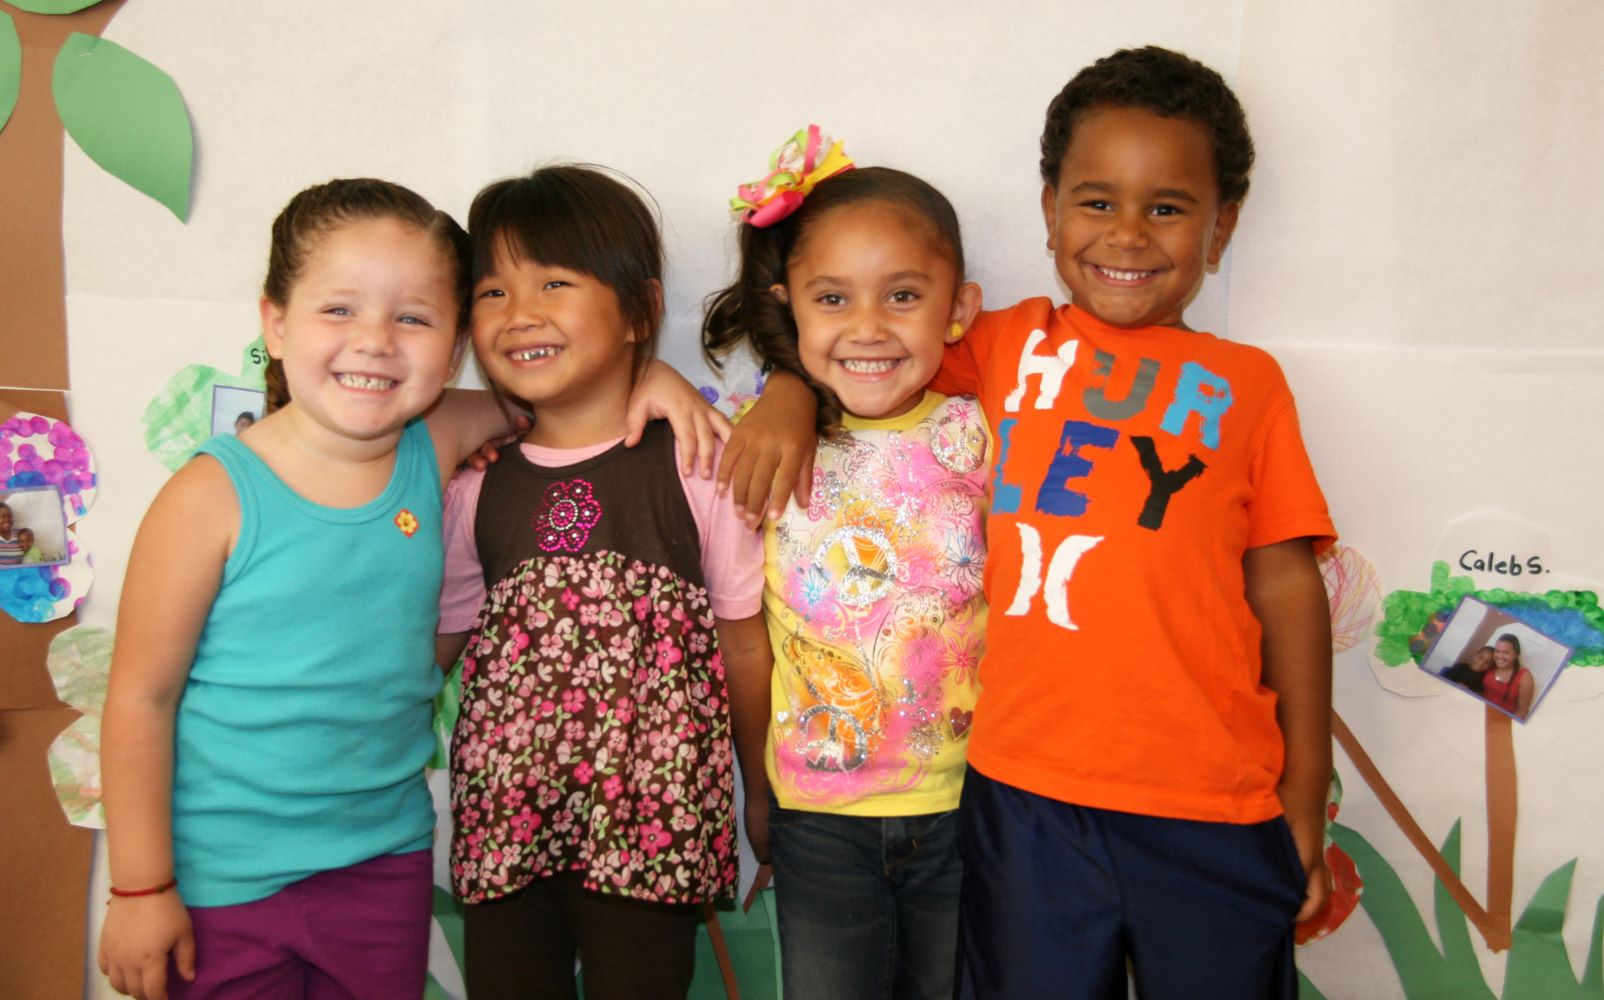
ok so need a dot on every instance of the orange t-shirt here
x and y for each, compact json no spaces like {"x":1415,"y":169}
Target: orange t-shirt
{"x":1134,"y":468}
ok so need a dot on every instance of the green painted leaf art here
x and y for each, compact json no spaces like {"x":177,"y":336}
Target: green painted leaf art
{"x":53,"y":6}
{"x":79,"y":661}
{"x":10,"y":67}
{"x":127,"y":116}
{"x":200,"y":400}
{"x":1411,"y":619}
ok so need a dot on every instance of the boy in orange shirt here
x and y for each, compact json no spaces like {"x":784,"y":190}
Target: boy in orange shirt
{"x":1151,"y":750}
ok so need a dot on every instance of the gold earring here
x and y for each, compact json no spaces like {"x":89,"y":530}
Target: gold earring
{"x":955,"y":332}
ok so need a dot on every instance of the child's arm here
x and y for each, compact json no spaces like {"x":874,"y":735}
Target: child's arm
{"x":1288,"y":596}
{"x":748,"y":661}
{"x":460,"y":422}
{"x":448,"y":646}
{"x":663,"y":393}
{"x":468,"y":424}
{"x":769,"y":457}
{"x":173,"y":576}
{"x":1523,"y":694}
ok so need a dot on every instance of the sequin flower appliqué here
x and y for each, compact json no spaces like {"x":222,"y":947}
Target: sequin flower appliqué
{"x":566,"y":513}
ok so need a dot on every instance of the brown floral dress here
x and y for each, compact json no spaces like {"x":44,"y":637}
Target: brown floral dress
{"x":594,"y":733}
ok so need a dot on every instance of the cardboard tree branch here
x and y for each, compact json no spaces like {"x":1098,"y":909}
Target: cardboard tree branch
{"x":1492,"y":921}
{"x":33,"y":287}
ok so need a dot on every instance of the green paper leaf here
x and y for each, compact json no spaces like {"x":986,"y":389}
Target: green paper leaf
{"x":448,"y":913}
{"x":53,"y":6}
{"x":1593,"y":972}
{"x":127,"y":116}
{"x":10,"y":67}
{"x":1306,"y":989}
{"x":1538,"y":963}
{"x":1452,"y":926}
{"x":1422,"y":970}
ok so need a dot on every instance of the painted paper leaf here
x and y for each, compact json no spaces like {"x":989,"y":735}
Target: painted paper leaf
{"x":10,"y":67}
{"x":180,"y":418}
{"x":79,"y":662}
{"x":53,"y":6}
{"x":127,"y":116}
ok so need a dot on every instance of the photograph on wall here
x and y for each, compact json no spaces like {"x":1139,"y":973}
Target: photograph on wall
{"x":234,"y":409}
{"x":33,"y":527}
{"x":1492,"y":654}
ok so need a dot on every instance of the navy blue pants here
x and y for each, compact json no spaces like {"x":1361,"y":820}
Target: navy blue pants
{"x":1058,"y":898}
{"x":868,"y":906}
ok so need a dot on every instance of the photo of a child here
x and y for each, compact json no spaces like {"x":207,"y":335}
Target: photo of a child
{"x":33,"y":530}
{"x":235,"y":409}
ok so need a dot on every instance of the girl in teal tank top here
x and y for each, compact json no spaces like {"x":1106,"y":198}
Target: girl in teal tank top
{"x":269,"y":713}
{"x":268,"y":718}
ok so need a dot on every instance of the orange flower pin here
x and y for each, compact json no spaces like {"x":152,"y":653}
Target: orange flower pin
{"x":406,"y":522}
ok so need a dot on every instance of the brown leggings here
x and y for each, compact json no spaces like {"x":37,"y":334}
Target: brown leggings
{"x":522,"y":946}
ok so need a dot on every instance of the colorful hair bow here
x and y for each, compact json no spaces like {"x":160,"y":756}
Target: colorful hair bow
{"x":794,"y":169}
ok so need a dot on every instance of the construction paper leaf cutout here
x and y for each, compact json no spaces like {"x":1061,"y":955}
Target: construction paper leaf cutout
{"x":179,"y":419}
{"x":1423,"y":970}
{"x":53,"y":6}
{"x":10,"y":67}
{"x":79,"y":662}
{"x":127,"y":116}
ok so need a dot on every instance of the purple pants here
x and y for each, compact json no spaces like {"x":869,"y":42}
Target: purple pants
{"x":354,"y":932}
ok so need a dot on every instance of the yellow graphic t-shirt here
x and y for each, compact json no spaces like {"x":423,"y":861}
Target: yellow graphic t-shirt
{"x":872,"y":595}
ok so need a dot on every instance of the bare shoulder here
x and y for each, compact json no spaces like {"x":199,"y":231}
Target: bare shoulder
{"x":198,"y":504}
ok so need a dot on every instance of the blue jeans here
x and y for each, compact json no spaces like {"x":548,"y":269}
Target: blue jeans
{"x":868,"y":906}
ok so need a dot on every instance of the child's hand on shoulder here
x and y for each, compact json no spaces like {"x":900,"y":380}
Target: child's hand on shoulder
{"x":769,"y":458}
{"x":665,"y":394}
{"x":140,"y":932}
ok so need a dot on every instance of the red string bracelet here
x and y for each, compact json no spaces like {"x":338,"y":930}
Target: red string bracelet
{"x":154,"y":890}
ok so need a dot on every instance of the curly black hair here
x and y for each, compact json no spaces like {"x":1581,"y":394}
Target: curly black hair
{"x":747,"y":312}
{"x":1167,"y":84}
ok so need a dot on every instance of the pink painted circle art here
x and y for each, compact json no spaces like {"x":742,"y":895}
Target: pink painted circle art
{"x":565,"y":516}
{"x":38,"y":451}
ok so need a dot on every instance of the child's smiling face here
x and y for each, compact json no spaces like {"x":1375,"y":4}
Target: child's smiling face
{"x":1135,"y":217}
{"x":875,"y":297}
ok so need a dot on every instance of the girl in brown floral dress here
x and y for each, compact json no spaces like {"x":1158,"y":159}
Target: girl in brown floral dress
{"x":611,"y":602}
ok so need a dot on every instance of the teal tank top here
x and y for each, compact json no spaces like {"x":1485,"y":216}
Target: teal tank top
{"x":304,"y":727}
